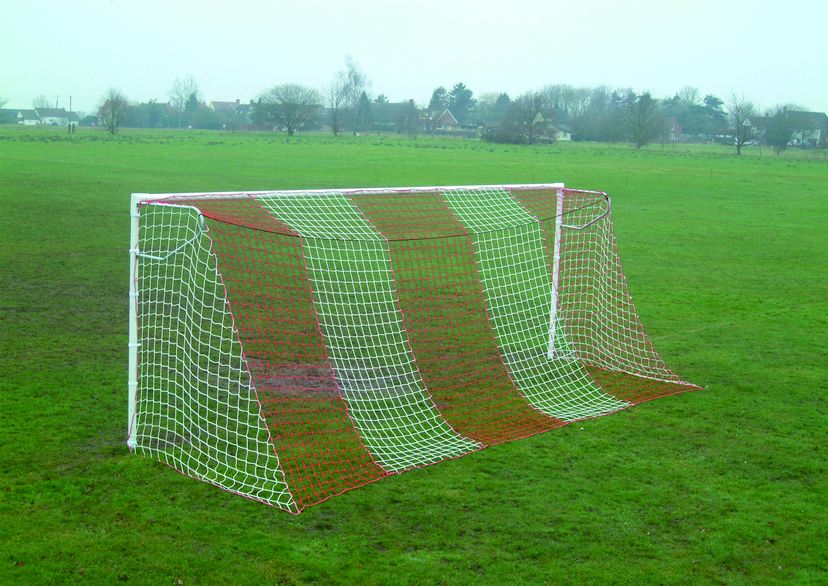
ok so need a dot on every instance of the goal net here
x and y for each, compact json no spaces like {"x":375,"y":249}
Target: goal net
{"x":291,"y":345}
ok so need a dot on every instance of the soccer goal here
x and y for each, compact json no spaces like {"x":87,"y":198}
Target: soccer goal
{"x":291,"y":345}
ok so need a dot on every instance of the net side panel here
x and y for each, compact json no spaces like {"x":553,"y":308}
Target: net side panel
{"x":445,"y":316}
{"x":509,"y":252}
{"x":595,"y":306}
{"x":351,"y":275}
{"x":196,"y":407}
{"x":264,"y":272}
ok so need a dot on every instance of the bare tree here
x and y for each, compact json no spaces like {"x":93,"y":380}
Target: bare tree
{"x":357,"y":84}
{"x":569,"y":103}
{"x":343,"y":96}
{"x":527,"y":120}
{"x":689,"y":95}
{"x":336,"y":94}
{"x":740,"y":110}
{"x":184,"y":90}
{"x":112,"y":111}
{"x":289,"y":105}
{"x":535,"y":117}
{"x":41,"y":102}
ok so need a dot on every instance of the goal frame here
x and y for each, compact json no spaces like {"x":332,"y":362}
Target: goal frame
{"x":137,"y":199}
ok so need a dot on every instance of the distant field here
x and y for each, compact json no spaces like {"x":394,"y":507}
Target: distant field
{"x":726,"y":257}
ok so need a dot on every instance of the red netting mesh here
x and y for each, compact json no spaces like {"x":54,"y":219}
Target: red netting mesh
{"x":634,"y":389}
{"x":270,"y":295}
{"x":241,"y":211}
{"x":444,"y":313}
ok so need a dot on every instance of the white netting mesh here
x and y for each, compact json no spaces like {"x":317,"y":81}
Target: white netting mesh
{"x":352,"y":281}
{"x":516,"y":280}
{"x":603,"y":323}
{"x":196,"y":409}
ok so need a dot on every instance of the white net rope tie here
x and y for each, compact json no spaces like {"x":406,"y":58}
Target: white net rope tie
{"x":354,"y":292}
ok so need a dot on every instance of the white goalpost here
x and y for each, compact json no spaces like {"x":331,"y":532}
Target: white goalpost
{"x":556,"y":269}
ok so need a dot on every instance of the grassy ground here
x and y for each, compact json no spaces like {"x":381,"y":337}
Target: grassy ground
{"x":725,"y":256}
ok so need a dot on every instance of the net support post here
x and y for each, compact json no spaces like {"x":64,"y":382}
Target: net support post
{"x":132,"y":379}
{"x":556,"y":271}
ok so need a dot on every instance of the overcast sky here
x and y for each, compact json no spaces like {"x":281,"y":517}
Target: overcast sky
{"x":770,"y":52}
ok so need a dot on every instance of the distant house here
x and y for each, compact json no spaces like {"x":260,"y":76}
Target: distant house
{"x":28,"y":117}
{"x":488,"y":127}
{"x":545,"y":130}
{"x":811,"y":129}
{"x":446,"y":122}
{"x":563,"y":132}
{"x":674,"y":130}
{"x":225,"y":107}
{"x":233,"y":114}
{"x":53,"y":116}
{"x":757,"y":124}
{"x":39,"y":117}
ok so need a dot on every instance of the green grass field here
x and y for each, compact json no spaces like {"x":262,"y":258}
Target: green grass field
{"x":726,"y":258}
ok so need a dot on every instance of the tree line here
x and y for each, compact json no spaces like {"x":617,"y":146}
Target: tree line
{"x":587,"y":113}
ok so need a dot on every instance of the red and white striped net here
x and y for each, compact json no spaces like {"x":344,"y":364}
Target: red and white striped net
{"x":296,"y":345}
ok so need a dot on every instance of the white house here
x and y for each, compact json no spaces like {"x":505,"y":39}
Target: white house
{"x":563,"y":132}
{"x":811,"y":129}
{"x":28,"y":117}
{"x":53,"y":116}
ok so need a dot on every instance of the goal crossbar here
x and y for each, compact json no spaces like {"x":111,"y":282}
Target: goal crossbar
{"x":145,"y":197}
